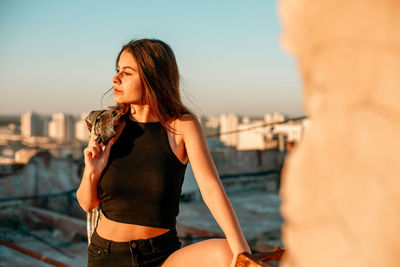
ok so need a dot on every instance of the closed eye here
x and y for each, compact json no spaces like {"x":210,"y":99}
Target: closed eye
{"x":126,"y":73}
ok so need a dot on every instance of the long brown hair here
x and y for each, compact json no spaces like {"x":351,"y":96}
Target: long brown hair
{"x":159,"y":74}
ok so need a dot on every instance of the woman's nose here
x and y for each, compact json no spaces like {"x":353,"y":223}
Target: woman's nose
{"x":116,"y":79}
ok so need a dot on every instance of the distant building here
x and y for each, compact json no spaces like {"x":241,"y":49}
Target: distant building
{"x":271,"y":133}
{"x":210,"y":126}
{"x":62,"y":127}
{"x":292,"y":131}
{"x":275,"y":117}
{"x":45,"y":122}
{"x":11,"y":128}
{"x":81,"y":130}
{"x":31,"y":124}
{"x":212,"y":122}
{"x":256,"y":137}
{"x":246,"y":120}
{"x":228,"y":123}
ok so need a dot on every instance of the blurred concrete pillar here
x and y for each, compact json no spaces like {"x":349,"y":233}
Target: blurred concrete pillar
{"x":341,"y":185}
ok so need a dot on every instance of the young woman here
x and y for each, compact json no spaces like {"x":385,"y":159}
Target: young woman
{"x":137,"y":177}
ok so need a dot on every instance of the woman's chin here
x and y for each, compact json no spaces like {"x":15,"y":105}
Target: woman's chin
{"x":119,"y":100}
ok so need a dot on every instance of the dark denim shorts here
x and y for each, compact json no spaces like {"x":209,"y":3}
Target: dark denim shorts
{"x":150,"y":252}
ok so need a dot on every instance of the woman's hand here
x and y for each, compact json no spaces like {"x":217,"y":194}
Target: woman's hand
{"x":96,"y":155}
{"x":96,"y":158}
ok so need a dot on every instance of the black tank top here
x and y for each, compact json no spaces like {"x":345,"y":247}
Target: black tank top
{"x":142,"y":181}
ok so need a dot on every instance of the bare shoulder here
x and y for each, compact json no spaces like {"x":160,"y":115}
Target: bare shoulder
{"x":189,"y":127}
{"x":187,"y":119}
{"x":187,"y":123}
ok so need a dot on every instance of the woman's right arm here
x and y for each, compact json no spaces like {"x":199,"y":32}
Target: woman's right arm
{"x":96,"y":158}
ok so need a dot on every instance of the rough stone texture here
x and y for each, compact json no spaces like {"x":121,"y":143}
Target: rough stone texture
{"x":43,"y":175}
{"x":340,"y":187}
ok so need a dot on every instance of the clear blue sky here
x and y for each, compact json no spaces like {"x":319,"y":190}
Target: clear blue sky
{"x":59,"y":55}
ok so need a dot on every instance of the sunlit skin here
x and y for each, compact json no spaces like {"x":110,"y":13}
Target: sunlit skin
{"x":189,"y":145}
{"x":128,"y":87}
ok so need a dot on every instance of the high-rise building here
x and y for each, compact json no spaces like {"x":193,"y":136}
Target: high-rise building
{"x":229,"y":123}
{"x":45,"y":124}
{"x":31,"y":124}
{"x":62,"y":127}
{"x":81,"y":130}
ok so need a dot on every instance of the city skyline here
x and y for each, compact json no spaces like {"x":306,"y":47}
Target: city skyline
{"x":231,"y":129}
{"x":59,"y":57}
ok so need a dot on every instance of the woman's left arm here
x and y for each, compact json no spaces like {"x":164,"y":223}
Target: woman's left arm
{"x":210,"y":185}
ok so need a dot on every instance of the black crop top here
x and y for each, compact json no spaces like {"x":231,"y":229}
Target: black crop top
{"x":142,"y":181}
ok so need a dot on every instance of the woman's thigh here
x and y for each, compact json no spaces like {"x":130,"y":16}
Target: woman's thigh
{"x":212,"y":252}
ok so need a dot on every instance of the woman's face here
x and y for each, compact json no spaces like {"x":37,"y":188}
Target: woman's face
{"x":128,"y":87}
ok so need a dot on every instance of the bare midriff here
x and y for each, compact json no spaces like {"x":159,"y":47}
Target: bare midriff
{"x":123,"y":232}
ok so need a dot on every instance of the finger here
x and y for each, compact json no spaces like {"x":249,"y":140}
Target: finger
{"x":107,"y":148}
{"x":91,"y":133}
{"x":96,"y":151}
{"x":93,"y":139}
{"x":87,"y":152}
{"x":94,"y":143}
{"x":93,"y":151}
{"x":93,"y":136}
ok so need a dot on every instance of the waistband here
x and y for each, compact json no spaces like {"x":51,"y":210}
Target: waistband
{"x":167,"y":240}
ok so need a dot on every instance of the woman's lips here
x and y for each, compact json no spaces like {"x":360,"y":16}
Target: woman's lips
{"x":116,"y":91}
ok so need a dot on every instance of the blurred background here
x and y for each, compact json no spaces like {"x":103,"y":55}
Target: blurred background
{"x":57,"y":61}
